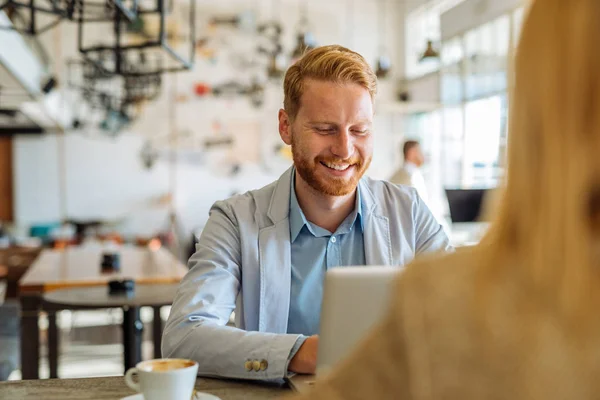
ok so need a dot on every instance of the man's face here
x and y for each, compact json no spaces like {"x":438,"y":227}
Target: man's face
{"x":417,"y":156}
{"x":331,"y":137}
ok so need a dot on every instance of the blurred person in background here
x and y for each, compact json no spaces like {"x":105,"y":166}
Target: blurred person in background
{"x":264,"y":253}
{"x":410,"y":172}
{"x":516,"y":316}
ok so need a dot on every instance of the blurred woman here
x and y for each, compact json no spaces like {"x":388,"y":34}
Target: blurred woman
{"x":515,"y":317}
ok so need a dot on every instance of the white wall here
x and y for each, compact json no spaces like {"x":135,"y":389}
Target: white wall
{"x":104,"y":178}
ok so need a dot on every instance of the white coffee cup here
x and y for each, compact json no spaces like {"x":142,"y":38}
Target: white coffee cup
{"x":165,"y":378}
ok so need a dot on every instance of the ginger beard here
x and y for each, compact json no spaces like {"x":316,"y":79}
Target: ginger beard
{"x":315,"y":171}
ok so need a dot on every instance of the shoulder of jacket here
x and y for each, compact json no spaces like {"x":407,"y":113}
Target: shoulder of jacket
{"x":247,"y":203}
{"x":396,"y":195}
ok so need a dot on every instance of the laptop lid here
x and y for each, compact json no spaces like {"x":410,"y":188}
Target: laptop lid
{"x":354,"y":300}
{"x":466,"y":205}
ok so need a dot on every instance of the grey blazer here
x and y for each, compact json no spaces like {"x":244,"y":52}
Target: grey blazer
{"x":243,"y":263}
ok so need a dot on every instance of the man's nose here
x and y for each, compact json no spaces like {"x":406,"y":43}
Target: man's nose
{"x":343,"y":146}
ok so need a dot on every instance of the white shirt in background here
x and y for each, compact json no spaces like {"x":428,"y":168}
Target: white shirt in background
{"x":411,"y":175}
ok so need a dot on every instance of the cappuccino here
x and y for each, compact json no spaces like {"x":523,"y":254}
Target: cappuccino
{"x":165,"y":365}
{"x":161,"y":379}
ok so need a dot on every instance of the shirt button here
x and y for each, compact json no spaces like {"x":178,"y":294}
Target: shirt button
{"x":333,"y":239}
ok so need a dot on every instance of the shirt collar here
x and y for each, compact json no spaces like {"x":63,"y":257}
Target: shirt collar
{"x":298,"y":219}
{"x":358,"y":207}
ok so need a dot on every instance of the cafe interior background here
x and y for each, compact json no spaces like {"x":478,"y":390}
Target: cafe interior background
{"x":132,"y":150}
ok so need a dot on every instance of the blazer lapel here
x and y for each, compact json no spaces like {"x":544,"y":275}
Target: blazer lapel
{"x":376,"y":232}
{"x":275,"y":261}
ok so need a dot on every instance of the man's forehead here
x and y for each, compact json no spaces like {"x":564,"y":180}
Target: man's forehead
{"x":323,"y":101}
{"x":315,"y":86}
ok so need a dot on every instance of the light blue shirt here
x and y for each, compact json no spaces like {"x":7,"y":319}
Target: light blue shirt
{"x":314,"y":251}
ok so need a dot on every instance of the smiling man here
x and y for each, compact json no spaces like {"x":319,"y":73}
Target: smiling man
{"x":264,"y":254}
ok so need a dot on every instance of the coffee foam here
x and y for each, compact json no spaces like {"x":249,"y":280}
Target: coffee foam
{"x":166,"y":365}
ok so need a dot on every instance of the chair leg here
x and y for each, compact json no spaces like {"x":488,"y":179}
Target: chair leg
{"x":30,"y":336}
{"x":52,"y":345}
{"x":157,"y":328}
{"x":132,"y":337}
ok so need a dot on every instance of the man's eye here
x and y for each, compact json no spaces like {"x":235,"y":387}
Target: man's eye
{"x":325,"y":130}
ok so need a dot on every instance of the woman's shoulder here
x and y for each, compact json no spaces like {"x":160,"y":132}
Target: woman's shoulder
{"x":435,"y":266}
{"x":441,"y":278}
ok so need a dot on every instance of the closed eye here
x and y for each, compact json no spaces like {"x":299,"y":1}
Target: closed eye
{"x":325,"y":130}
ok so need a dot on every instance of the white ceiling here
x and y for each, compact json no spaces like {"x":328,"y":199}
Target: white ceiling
{"x":12,"y":94}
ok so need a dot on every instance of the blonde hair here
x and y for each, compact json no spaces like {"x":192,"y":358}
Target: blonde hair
{"x":332,"y":63}
{"x":546,"y":226}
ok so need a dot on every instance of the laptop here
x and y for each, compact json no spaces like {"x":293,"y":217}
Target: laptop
{"x":354,"y":300}
{"x":466,"y":205}
{"x":468,"y":212}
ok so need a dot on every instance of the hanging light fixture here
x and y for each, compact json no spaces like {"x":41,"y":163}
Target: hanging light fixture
{"x":103,"y":10}
{"x":384,"y":63}
{"x":304,"y":43}
{"x":148,"y":154}
{"x":270,"y":34}
{"x":102,"y":95}
{"x":140,"y":34}
{"x":305,"y":40}
{"x":118,"y":98}
{"x":430,"y":52}
{"x":24,"y":16}
{"x":274,"y":69}
{"x":256,"y":93}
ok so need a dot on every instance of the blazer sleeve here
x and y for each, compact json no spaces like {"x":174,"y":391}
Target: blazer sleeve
{"x":429,"y":234}
{"x":196,"y":328}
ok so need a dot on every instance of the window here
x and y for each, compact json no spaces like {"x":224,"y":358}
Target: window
{"x":471,"y":142}
{"x":483,"y":123}
{"x":486,"y":49}
{"x":452,"y":52}
{"x":452,"y":145}
{"x":472,"y":64}
{"x":451,"y":79}
{"x":518,"y":16}
{"x":499,"y":56}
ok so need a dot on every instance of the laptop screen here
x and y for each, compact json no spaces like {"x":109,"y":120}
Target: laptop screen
{"x":466,"y":204}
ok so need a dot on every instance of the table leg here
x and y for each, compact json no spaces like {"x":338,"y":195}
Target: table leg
{"x":157,"y":329}
{"x":52,"y":345}
{"x":30,"y":336}
{"x":132,"y":337}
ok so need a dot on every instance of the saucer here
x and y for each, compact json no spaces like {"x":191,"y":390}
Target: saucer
{"x":199,"y":396}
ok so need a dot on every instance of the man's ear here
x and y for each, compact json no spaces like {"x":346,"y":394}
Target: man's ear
{"x":285,"y":127}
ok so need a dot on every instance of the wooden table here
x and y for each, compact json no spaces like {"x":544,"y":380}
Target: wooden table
{"x":77,"y":267}
{"x":17,"y":260}
{"x":155,"y":296}
{"x":114,"y":388}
